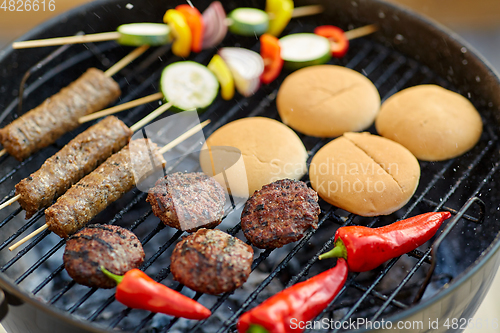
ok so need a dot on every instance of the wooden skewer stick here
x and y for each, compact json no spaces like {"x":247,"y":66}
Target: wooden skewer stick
{"x":307,"y":10}
{"x":183,"y":137}
{"x":99,"y":37}
{"x":3,"y":152}
{"x":361,"y":31}
{"x":121,"y":107}
{"x":150,"y":117}
{"x":27,"y":238}
{"x":126,"y":60}
{"x":163,"y":150}
{"x":10,"y":201}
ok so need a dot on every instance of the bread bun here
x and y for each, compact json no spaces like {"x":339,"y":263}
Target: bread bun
{"x":269,"y":151}
{"x":435,"y":124}
{"x":365,"y":174}
{"x":327,"y":101}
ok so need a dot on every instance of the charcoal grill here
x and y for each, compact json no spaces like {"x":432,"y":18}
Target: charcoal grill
{"x":407,"y":51}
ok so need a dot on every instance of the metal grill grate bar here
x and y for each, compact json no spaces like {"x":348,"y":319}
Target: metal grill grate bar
{"x":21,"y":253}
{"x":41,"y":261}
{"x":378,"y":295}
{"x":25,"y":227}
{"x":10,"y":217}
{"x":48,"y":279}
{"x":16,"y":169}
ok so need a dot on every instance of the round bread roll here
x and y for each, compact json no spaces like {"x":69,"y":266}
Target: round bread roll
{"x":327,"y":101}
{"x":435,"y":124}
{"x":269,"y":151}
{"x":365,"y":174}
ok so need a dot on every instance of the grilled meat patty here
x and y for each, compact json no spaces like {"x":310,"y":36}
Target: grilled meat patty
{"x":58,"y":114}
{"x":279,"y":213}
{"x":188,"y":201}
{"x":113,"y":247}
{"x":75,"y":160}
{"x":106,"y":184}
{"x":211,"y":261}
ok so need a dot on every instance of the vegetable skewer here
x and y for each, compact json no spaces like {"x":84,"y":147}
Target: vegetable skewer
{"x":75,"y":160}
{"x":225,"y":80}
{"x":59,"y":114}
{"x":134,"y":34}
{"x":106,"y":184}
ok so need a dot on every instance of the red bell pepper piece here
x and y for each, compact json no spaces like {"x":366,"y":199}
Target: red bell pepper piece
{"x":338,"y":41}
{"x":367,"y":248}
{"x":195,"y":22}
{"x":138,"y":291}
{"x":270,"y":52}
{"x":299,"y":303}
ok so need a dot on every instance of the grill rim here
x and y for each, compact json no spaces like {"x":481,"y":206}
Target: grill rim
{"x":411,"y":18}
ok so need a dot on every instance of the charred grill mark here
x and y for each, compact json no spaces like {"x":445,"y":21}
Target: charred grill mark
{"x":93,"y":238}
{"x":77,"y":255}
{"x":99,"y":226}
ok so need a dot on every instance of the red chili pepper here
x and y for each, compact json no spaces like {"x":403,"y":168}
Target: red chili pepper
{"x":270,"y":52}
{"x":338,"y":41}
{"x":138,"y":291}
{"x":195,"y":22}
{"x":367,"y":248}
{"x":300,"y":303}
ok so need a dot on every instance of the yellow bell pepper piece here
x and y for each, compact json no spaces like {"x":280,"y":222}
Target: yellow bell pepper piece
{"x":181,"y":33}
{"x":218,"y":66}
{"x":280,"y":13}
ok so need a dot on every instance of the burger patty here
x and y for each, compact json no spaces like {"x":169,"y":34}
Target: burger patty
{"x":113,"y":247}
{"x":280,"y":213}
{"x":211,"y":261}
{"x":188,"y":201}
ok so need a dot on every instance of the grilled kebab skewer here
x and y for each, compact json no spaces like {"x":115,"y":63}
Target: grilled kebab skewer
{"x":75,"y":160}
{"x":59,"y":114}
{"x":106,"y":184}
